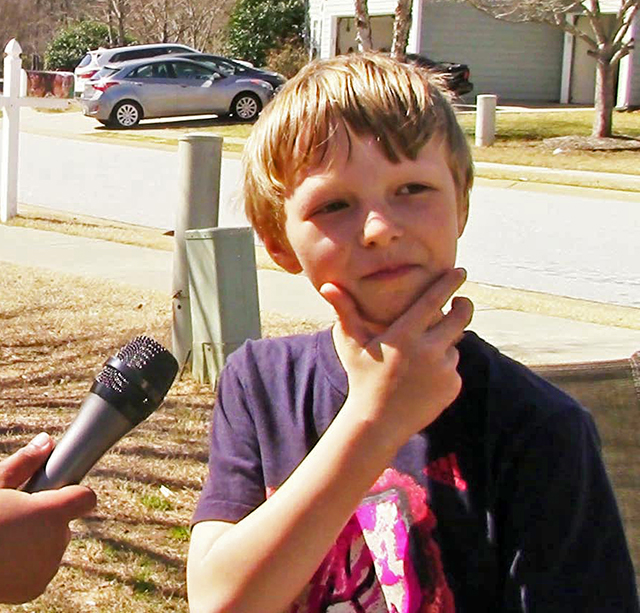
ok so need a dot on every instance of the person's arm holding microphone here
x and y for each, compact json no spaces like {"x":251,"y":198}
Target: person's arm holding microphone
{"x":34,"y":528}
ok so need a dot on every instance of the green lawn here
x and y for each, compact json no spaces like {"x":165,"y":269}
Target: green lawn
{"x":520,"y":140}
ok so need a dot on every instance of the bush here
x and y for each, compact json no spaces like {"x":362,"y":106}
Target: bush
{"x":258,"y":26}
{"x":71,"y":43}
{"x":289,"y":58}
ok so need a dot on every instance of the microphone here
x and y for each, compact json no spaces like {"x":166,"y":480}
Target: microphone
{"x":130,"y":387}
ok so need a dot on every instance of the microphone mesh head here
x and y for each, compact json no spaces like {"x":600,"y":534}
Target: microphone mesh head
{"x":148,"y":360}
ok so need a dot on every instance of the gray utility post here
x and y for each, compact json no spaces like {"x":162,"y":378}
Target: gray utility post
{"x":199,"y":162}
{"x":215,"y":285}
{"x":223,"y":289}
{"x":486,"y":120}
{"x":12,"y":99}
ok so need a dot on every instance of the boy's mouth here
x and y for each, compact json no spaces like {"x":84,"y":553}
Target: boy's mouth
{"x":391,"y":272}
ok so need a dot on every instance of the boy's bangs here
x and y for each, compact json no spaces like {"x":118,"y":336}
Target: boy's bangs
{"x":356,"y":97}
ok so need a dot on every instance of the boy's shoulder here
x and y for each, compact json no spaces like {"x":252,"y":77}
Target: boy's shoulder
{"x":512,"y":392}
{"x":278,"y":349}
{"x":288,"y":357}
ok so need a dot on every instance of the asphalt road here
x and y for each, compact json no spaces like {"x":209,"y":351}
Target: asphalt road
{"x":570,"y":242}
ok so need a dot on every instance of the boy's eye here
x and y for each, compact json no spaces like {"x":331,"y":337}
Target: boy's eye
{"x":333,"y":207}
{"x":412,"y":188}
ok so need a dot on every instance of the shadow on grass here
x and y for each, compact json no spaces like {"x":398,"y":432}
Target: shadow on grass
{"x":176,"y":124}
{"x":136,"y":584}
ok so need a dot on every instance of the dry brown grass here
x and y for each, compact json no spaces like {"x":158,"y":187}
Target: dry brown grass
{"x":129,"y":555}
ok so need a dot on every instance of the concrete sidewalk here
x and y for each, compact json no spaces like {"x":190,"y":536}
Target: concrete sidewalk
{"x":529,"y":337}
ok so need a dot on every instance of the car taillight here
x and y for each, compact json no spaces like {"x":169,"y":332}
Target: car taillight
{"x":87,"y":75}
{"x":105,"y":85}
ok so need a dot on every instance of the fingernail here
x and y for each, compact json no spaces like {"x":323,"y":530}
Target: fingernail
{"x":41,"y":441}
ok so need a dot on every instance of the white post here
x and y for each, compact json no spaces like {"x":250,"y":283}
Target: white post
{"x":485,"y":120}
{"x":11,"y":101}
{"x":10,"y":127}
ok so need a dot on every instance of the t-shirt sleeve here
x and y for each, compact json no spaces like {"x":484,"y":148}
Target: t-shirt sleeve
{"x":235,"y":483}
{"x":563,"y":543}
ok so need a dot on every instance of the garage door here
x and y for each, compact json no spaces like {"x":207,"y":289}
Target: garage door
{"x":516,"y":61}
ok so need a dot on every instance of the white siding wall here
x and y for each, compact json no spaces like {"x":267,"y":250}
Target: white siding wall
{"x":634,"y":98}
{"x":515,"y":61}
{"x":631,"y":71}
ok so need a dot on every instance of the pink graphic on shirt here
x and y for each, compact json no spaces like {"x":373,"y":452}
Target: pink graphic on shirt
{"x":446,"y":470}
{"x":385,"y":560}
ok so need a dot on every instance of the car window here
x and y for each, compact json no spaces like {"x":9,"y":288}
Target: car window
{"x":103,"y":73}
{"x":216,"y":67}
{"x":239,"y":68}
{"x":133,"y":54}
{"x":226,"y":68}
{"x":175,"y":50}
{"x":85,"y":61}
{"x":150,"y":71}
{"x":191,"y":71}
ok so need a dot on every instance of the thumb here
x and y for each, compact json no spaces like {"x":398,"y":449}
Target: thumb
{"x":20,"y":466}
{"x":69,"y":502}
{"x":347,"y":311}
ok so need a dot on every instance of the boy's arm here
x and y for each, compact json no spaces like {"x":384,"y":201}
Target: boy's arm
{"x":399,"y":382}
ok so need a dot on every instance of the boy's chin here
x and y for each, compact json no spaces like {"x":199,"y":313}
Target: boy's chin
{"x":382,"y":315}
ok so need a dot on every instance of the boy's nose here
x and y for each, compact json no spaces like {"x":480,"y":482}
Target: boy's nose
{"x":379,"y":228}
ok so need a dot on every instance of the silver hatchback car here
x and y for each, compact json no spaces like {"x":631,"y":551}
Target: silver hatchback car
{"x":121,"y":95}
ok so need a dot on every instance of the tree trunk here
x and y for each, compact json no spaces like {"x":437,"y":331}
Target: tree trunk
{"x":401,"y":26}
{"x":603,"y":120}
{"x":363,"y":26}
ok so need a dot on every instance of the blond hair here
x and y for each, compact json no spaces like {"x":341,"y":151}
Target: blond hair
{"x":402,"y":105}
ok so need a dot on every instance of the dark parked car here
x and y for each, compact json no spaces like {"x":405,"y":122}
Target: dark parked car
{"x":457,"y":75}
{"x":230,"y":67}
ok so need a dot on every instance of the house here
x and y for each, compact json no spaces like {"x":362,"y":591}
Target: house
{"x":517,"y":61}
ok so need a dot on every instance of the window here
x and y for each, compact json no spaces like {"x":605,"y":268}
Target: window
{"x":85,"y":61}
{"x":103,"y":73}
{"x":150,"y":71}
{"x":184,"y":70}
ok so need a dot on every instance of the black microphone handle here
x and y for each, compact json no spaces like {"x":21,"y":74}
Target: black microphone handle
{"x":97,"y":427}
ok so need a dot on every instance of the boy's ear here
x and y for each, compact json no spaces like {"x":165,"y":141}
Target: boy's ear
{"x":463,"y":215}
{"x":282,"y":254}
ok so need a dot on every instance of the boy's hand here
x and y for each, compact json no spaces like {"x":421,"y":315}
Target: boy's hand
{"x":403,"y":376}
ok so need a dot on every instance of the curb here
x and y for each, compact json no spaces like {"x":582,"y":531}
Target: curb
{"x":581,"y":178}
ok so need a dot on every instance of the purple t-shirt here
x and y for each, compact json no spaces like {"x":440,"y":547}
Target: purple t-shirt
{"x":501,"y":504}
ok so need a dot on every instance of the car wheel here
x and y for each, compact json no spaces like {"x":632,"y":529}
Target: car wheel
{"x":126,"y":114}
{"x":246,"y":106}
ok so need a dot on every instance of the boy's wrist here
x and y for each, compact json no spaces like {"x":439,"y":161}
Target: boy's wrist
{"x":369,"y":426}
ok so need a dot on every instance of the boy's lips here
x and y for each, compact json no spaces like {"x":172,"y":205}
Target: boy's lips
{"x":390,"y":272}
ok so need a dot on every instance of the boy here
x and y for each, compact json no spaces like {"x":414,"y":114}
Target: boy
{"x":394,"y":462}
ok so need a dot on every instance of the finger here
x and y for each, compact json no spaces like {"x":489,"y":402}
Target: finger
{"x":426,"y":311}
{"x":347,"y":312}
{"x":20,"y":466}
{"x":450,"y":328}
{"x":70,"y":502}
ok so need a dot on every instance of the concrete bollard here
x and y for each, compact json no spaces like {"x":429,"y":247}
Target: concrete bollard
{"x":200,"y":159}
{"x":223,"y":288}
{"x":486,"y":120}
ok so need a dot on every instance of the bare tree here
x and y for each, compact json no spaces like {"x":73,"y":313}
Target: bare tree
{"x":401,"y":26}
{"x":363,"y":26}
{"x":608,"y":43}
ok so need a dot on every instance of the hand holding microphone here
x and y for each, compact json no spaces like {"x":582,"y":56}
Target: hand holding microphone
{"x":129,"y":388}
{"x":34,"y":526}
